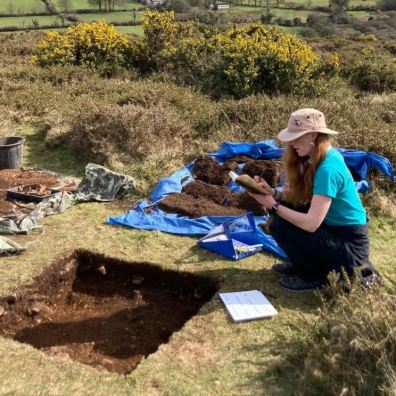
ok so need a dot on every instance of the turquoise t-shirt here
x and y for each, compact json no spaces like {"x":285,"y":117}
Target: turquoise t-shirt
{"x":333,"y":179}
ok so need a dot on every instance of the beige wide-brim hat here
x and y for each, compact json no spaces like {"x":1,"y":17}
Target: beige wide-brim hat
{"x":304,"y":121}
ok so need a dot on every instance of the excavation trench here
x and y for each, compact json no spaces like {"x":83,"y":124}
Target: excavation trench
{"x":103,"y":312}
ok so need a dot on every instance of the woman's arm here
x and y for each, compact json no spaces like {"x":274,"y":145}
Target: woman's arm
{"x":309,"y":221}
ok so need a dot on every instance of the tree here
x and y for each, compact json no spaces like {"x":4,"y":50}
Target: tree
{"x":338,"y":8}
{"x":98,"y":3}
{"x":267,"y":17}
{"x":65,"y":5}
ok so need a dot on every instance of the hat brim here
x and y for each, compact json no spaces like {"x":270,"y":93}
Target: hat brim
{"x":286,"y":136}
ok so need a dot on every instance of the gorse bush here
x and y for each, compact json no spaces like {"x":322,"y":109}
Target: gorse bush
{"x":239,"y":61}
{"x":94,"y":45}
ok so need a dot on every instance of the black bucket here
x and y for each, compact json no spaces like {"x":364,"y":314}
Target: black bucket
{"x":11,"y":152}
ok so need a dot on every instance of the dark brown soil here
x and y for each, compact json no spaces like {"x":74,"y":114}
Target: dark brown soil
{"x":187,"y":205}
{"x":208,"y":170}
{"x":268,"y":170}
{"x":217,"y":194}
{"x":208,"y":196}
{"x":18,"y":177}
{"x":103,"y":312}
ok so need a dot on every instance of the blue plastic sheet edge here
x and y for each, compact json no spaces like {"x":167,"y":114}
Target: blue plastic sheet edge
{"x":149,"y":217}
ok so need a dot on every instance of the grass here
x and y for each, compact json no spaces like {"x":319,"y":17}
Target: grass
{"x":86,"y":5}
{"x":27,"y":21}
{"x":289,"y":13}
{"x":21,"y":6}
{"x":138,"y":30}
{"x":308,"y":4}
{"x":121,"y":16}
{"x":210,"y":355}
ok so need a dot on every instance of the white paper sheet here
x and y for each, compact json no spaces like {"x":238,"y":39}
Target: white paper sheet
{"x":247,"y":305}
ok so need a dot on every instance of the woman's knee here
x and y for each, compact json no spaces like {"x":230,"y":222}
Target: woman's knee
{"x":275,"y":224}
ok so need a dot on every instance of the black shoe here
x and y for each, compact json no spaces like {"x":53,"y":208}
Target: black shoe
{"x":296,"y":284}
{"x":283,"y":269}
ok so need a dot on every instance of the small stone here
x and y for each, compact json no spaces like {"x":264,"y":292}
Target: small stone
{"x":33,"y":311}
{"x":137,"y":294}
{"x":137,"y":280}
{"x":102,"y":270}
{"x":2,"y":311}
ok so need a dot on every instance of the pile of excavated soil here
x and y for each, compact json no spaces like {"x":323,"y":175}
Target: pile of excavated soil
{"x":19,"y":177}
{"x":208,"y":170}
{"x":103,"y":312}
{"x":266,"y":169}
{"x":187,"y":205}
{"x":208,"y":194}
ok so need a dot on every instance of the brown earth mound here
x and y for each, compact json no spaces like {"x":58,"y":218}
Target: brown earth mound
{"x":268,"y":170}
{"x":103,"y":312}
{"x":217,"y":194}
{"x":187,"y":205}
{"x":208,"y":170}
{"x":208,"y":195}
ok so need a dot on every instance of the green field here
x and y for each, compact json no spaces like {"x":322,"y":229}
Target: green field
{"x":122,"y":16}
{"x":288,"y":13}
{"x":277,"y":12}
{"x":21,"y":6}
{"x":85,"y":5}
{"x":25,"y":22}
{"x":138,"y":30}
{"x":37,"y":6}
{"x":308,"y":4}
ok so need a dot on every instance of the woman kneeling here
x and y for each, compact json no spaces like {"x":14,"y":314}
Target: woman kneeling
{"x":318,"y":220}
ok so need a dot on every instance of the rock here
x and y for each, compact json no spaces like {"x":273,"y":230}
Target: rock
{"x":33,"y":311}
{"x":102,"y":270}
{"x":2,"y":311}
{"x":42,"y":308}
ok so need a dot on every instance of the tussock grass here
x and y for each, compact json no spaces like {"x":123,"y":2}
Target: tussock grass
{"x":350,"y":347}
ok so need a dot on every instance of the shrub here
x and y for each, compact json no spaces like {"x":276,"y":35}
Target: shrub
{"x":238,"y":61}
{"x":94,"y":45}
{"x":350,"y":349}
{"x":387,"y":5}
{"x":374,"y":74}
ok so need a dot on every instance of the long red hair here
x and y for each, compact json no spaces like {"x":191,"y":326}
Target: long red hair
{"x":300,"y":171}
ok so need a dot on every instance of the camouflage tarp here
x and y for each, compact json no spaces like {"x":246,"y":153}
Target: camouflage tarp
{"x":7,"y":246}
{"x":99,"y":184}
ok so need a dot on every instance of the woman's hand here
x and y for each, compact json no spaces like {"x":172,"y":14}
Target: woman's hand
{"x":266,"y":200}
{"x":264,"y":184}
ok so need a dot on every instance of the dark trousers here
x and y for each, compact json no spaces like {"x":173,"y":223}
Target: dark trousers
{"x":329,"y":248}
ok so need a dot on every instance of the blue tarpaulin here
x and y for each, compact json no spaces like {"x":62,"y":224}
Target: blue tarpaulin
{"x":146,"y":215}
